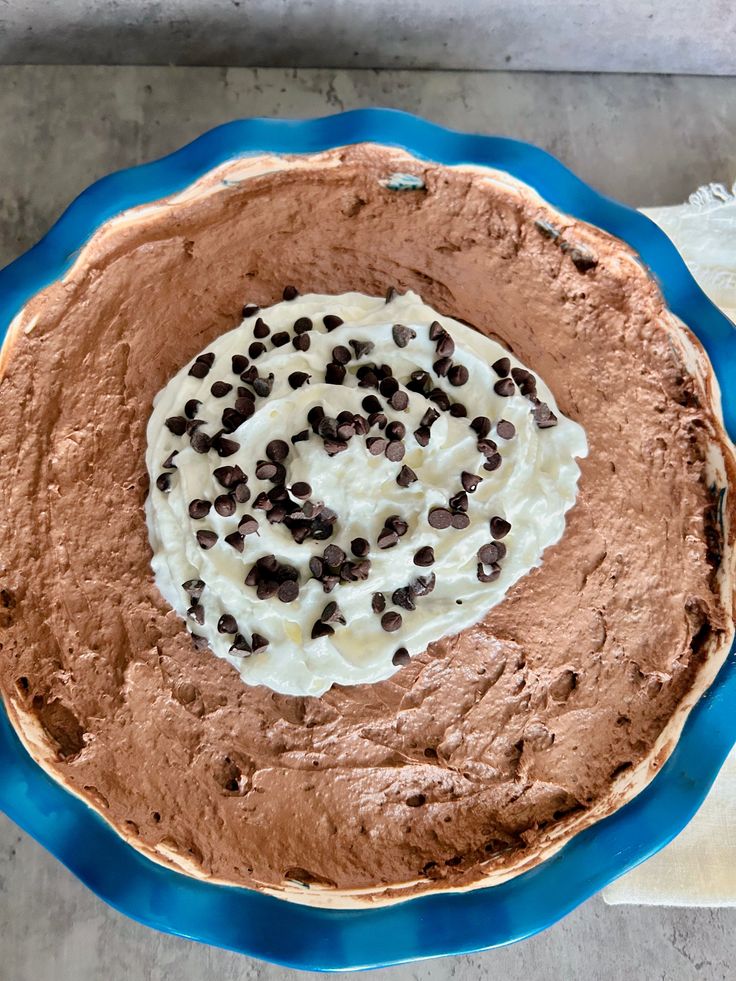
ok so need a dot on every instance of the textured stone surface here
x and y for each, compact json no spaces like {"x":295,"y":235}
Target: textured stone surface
{"x":646,"y":139}
{"x":567,"y":35}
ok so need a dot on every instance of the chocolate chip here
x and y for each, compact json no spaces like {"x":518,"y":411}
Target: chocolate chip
{"x":199,"y":508}
{"x":481,"y":425}
{"x":470,"y":481}
{"x":500,"y":527}
{"x":505,"y":387}
{"x":236,"y":540}
{"x":378,"y":603}
{"x":403,"y":597}
{"x":501,"y":549}
{"x":225,"y":505}
{"x":493,"y":462}
{"x":191,"y":407}
{"x":399,"y":401}
{"x":298,"y":378}
{"x":459,"y":501}
{"x":346,"y":431}
{"x":263,"y":386}
{"x":224,"y":446}
{"x":277,"y":450}
{"x":544,"y":416}
{"x":332,"y":614}
{"x":523,"y":377}
{"x":424,"y":556}
{"x":177,"y":425}
{"x":376,"y":445}
{"x":436,"y":330}
{"x":397,"y":524}
{"x":194,"y":588}
{"x":227,"y":624}
{"x":220,"y":389}
{"x":169,"y":461}
{"x":391,"y":621}
{"x":388,"y":387}
{"x":401,"y":657}
{"x":341,"y":355}
{"x":316,"y":566}
{"x":250,"y":310}
{"x":265,"y":470}
{"x":334,"y":555}
{"x":361,"y":347}
{"x":416,"y":800}
{"x":505,"y":429}
{"x":321,"y":629}
{"x":228,"y":476}
{"x":387,"y":538}
{"x":422,"y":435}
{"x":371,"y":404}
{"x":488,"y":576}
{"x":502,"y":367}
{"x":261,"y":329}
{"x":199,"y":370}
{"x":334,"y":446}
{"x":240,"y":646}
{"x":302,"y":325}
{"x":423,"y":585}
{"x":458,"y":375}
{"x":256,"y":349}
{"x":334,"y":373}
{"x":258,"y":643}
{"x":445,"y":346}
{"x":487,"y":447}
{"x":196,"y":613}
{"x":488,"y":554}
{"x":360,"y":547}
{"x":440,"y":398}
{"x":163,"y":482}
{"x":582,"y":258}
{"x":288,"y":591}
{"x":391,"y":294}
{"x":301,"y":342}
{"x":200,"y":442}
{"x":263,"y":502}
{"x":419,"y":382}
{"x":442,"y":366}
{"x":402,"y":335}
{"x":300,"y":437}
{"x":266,"y":589}
{"x":239,"y":363}
{"x":460,"y":520}
{"x":331,"y":321}
{"x":396,"y":430}
{"x":242,"y":494}
{"x":406,"y":477}
{"x":301,"y":489}
{"x":439,"y":518}
{"x":206,"y":539}
{"x":395,"y":451}
{"x":377,"y":419}
{"x":232,"y":419}
{"x":290,"y":292}
{"x":280,"y":338}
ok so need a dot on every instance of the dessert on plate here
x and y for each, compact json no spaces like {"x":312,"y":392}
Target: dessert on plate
{"x":367,"y":526}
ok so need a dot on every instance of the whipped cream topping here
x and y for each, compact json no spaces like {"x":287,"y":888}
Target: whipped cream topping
{"x":342,"y":480}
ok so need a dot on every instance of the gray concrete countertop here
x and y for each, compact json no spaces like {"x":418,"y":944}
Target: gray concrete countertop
{"x":645,"y":139}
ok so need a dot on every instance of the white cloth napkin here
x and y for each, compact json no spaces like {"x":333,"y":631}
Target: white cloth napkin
{"x":699,"y":867}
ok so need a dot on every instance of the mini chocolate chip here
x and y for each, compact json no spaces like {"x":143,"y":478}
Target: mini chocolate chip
{"x":265,"y":470}
{"x":302,"y":325}
{"x":334,"y":446}
{"x":288,"y":591}
{"x":169,"y":461}
{"x":376,"y":445}
{"x":387,"y":538}
{"x":377,"y":419}
{"x":445,"y":346}
{"x":258,"y":643}
{"x":316,"y":566}
{"x":501,"y":549}
{"x":208,"y":359}
{"x":395,"y":451}
{"x":459,"y":501}
{"x":240,"y":646}
{"x":280,"y":338}
{"x":500,"y":527}
{"x":301,"y":342}
{"x":224,"y":446}
{"x":396,"y":430}
{"x":422,"y":435}
{"x":177,"y":425}
{"x":236,"y":540}
{"x":378,"y":603}
{"x":401,"y":657}
{"x":502,"y":367}
{"x":266,"y":589}
{"x":439,"y":518}
{"x":493,"y":462}
{"x":334,"y":555}
{"x":524,"y":379}
{"x":246,"y":404}
{"x":487,"y":447}
{"x":334,"y":373}
{"x":388,"y":386}
{"x":402,"y":335}
{"x":460,"y":520}
{"x":397,"y":524}
{"x":199,"y":508}
{"x":440,"y":398}
{"x":194,"y":588}
{"x":227,"y":624}
{"x":300,"y":437}
{"x":470,"y":481}
{"x":481,"y":425}
{"x":206,"y":539}
{"x":360,"y":547}
{"x":505,"y":429}
{"x":321,"y":629}
{"x":488,"y":576}
{"x":250,"y":310}
{"x":239,"y":363}
{"x":436,"y":330}
{"x":279,"y":492}
{"x":406,"y":477}
{"x":263,"y":386}
{"x":163,"y":482}
{"x":290,"y":292}
{"x":256,"y":349}
{"x":458,"y":410}
{"x":424,"y":556}
{"x":263,"y":502}
{"x":419,"y":382}
{"x":298,"y":378}
{"x":225,"y":505}
{"x":442,"y":366}
{"x":232,"y":419}
{"x":504,"y":387}
{"x":403,"y":597}
{"x":423,"y":585}
{"x":220,"y":389}
{"x":199,"y":370}
{"x":371,"y":404}
{"x":346,"y":431}
{"x":242,"y":493}
{"x":391,"y":294}
{"x":200,"y":442}
{"x":361,"y":347}
{"x":301,"y":489}
{"x":391,"y":621}
{"x":488,"y":554}
{"x":196,"y":613}
{"x":277,"y":450}
{"x":191,"y":407}
{"x":331,"y":321}
{"x":340,"y":354}
{"x":332,"y":614}
{"x":399,"y":401}
{"x":228,"y":476}
{"x":458,"y":375}
{"x":544,"y":416}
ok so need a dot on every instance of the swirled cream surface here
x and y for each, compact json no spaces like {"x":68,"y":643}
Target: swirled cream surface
{"x":342,"y":480}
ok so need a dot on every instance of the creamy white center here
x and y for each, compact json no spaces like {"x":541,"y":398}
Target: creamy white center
{"x":356,"y":488}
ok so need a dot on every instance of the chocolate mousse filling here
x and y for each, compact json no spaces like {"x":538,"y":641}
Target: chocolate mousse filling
{"x":479,"y":755}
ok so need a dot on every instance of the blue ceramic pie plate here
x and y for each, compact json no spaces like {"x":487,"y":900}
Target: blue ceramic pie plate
{"x":324,"y":940}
